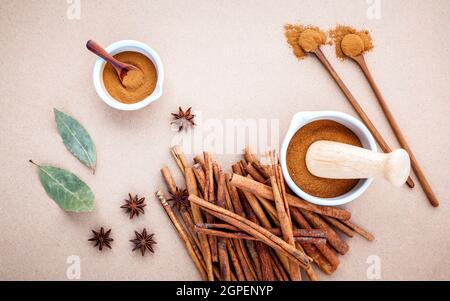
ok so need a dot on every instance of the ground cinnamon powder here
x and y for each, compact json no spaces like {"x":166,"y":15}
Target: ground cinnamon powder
{"x":350,"y":42}
{"x":304,"y":39}
{"x":296,"y":155}
{"x":137,"y":84}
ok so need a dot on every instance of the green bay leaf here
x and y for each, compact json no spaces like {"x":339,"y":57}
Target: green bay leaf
{"x":76,"y":139}
{"x":66,"y":189}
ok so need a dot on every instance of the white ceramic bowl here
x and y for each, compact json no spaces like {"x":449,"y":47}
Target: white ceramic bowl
{"x":121,"y":46}
{"x":302,"y":118}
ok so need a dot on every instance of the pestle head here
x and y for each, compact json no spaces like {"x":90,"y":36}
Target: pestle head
{"x":397,"y":167}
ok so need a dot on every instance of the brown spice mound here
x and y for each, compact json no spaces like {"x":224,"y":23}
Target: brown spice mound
{"x":350,"y":42}
{"x":304,"y":39}
{"x":137,"y":85}
{"x":296,"y":154}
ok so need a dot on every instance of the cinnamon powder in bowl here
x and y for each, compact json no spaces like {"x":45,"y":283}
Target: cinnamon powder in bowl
{"x":137,"y":84}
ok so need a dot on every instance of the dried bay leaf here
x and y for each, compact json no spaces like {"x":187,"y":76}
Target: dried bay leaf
{"x":66,"y":189}
{"x":76,"y":139}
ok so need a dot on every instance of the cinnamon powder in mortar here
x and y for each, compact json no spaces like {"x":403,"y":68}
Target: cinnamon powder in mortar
{"x":296,"y":158}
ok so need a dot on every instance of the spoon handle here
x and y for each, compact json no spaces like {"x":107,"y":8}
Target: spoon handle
{"x":384,"y":146}
{"x":398,"y":133}
{"x":101,"y":52}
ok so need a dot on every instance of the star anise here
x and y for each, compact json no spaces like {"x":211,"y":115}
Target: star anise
{"x":183,"y":118}
{"x":143,"y":241}
{"x":134,"y":205}
{"x":179,"y":198}
{"x":101,"y":238}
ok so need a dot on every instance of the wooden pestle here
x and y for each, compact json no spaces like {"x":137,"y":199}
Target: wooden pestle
{"x":384,"y":146}
{"x":330,"y":159}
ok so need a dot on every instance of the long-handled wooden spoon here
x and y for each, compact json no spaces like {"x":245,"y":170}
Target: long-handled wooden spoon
{"x":398,"y":133}
{"x":121,"y":68}
{"x":384,"y":146}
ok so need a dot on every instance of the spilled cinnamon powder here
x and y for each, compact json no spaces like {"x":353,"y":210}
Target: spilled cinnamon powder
{"x":349,"y":42}
{"x":304,"y":39}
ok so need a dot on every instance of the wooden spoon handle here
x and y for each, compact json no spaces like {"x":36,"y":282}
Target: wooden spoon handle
{"x":329,"y":159}
{"x":397,"y":131}
{"x":101,"y":52}
{"x":384,"y":146}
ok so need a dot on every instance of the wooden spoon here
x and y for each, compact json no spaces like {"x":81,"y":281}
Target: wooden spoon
{"x":330,"y":159}
{"x":396,"y":129}
{"x":121,"y":68}
{"x":384,"y":146}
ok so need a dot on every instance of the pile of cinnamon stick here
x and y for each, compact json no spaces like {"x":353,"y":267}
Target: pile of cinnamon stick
{"x":246,"y":226}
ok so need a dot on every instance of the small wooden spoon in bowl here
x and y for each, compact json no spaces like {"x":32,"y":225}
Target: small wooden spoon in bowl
{"x":121,"y":68}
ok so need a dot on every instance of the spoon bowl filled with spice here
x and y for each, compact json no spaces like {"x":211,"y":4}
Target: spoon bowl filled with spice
{"x":309,"y":127}
{"x":140,"y":86}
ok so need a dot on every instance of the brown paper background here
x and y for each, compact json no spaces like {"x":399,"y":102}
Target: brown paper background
{"x":227,"y":59}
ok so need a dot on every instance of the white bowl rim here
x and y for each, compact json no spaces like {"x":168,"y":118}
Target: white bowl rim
{"x":299,"y":120}
{"x":151,"y":54}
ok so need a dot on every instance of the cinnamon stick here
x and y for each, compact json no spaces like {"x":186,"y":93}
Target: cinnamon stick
{"x":209,"y":173}
{"x":184,"y":213}
{"x":242,"y":252}
{"x":179,"y":157}
{"x":259,"y":212}
{"x":182,"y":233}
{"x":318,"y":233}
{"x":264,"y":272}
{"x":267,"y":273}
{"x":242,"y":235}
{"x":246,"y":264}
{"x":253,"y":209}
{"x":210,"y":196}
{"x":277,"y":267}
{"x":283,"y":217}
{"x":255,"y":257}
{"x":251,"y":228}
{"x":168,"y":179}
{"x":309,"y":270}
{"x":269,"y":208}
{"x":251,"y":158}
{"x":224,"y":263}
{"x":237,"y":169}
{"x":189,"y":223}
{"x":201,"y":178}
{"x":191,"y":185}
{"x":338,"y":225}
{"x":360,"y":230}
{"x":266,"y":192}
{"x":251,"y":170}
{"x":235,"y":261}
{"x":234,"y":197}
{"x":333,"y":238}
{"x":324,"y":249}
{"x":199,"y":160}
{"x":323,"y":264}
